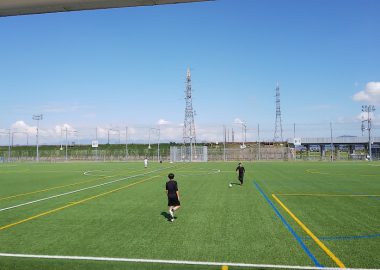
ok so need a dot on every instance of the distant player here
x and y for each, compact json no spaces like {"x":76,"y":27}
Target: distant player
{"x":145,"y":163}
{"x":240,"y":171}
{"x":173,"y":196}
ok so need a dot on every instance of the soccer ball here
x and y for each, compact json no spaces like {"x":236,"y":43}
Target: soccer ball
{"x":230,"y":185}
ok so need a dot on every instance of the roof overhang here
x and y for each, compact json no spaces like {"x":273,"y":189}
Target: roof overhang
{"x":23,"y":7}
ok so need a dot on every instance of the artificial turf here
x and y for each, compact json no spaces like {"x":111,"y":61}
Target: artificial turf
{"x":127,"y":218}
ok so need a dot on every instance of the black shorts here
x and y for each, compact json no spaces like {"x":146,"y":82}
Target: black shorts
{"x":173,"y":202}
{"x":241,"y":178}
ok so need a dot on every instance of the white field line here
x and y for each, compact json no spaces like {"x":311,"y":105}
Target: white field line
{"x":79,"y":190}
{"x":213,"y":171}
{"x":82,"y":258}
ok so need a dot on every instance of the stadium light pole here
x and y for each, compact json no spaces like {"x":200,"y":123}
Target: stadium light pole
{"x":37,"y":117}
{"x":126,"y":143}
{"x":9,"y":145}
{"x":243,"y":134}
{"x":66,"y":145}
{"x":331,"y":143}
{"x":224,"y":142}
{"x":368,"y":109}
{"x":96,"y":139}
{"x":258,"y":139}
{"x":158,"y":145}
{"x":149,"y":138}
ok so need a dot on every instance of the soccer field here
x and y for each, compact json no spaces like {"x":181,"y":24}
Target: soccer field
{"x":111,"y":215}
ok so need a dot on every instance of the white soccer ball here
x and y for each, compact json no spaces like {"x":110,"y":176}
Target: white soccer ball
{"x":230,"y":185}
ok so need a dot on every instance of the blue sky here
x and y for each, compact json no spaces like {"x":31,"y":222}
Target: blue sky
{"x":126,"y":67}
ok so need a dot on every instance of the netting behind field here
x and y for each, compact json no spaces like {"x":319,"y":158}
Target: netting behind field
{"x":188,"y":154}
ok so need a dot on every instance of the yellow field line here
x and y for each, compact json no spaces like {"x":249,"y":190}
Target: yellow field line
{"x":319,"y":243}
{"x":327,"y":195}
{"x":52,"y":188}
{"x":74,"y":203}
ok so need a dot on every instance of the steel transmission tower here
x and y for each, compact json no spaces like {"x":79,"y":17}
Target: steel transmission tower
{"x":189,"y":137}
{"x":278,"y":124}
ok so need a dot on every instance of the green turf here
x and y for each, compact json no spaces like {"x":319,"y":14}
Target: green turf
{"x":215,"y":223}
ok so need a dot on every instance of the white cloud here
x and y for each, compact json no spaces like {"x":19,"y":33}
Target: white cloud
{"x":370,"y":94}
{"x":62,"y":128}
{"x":21,"y":126}
{"x":238,"y":121}
{"x":163,"y":122}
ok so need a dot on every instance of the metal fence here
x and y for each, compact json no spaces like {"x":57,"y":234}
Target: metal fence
{"x":253,"y":152}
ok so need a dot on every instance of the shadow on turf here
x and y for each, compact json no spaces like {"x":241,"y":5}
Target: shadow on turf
{"x":167,"y":216}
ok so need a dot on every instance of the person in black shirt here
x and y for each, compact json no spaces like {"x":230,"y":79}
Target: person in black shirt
{"x":240,"y":171}
{"x":173,"y":195}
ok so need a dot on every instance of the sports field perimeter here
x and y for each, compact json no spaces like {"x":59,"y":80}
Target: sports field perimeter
{"x":111,"y":215}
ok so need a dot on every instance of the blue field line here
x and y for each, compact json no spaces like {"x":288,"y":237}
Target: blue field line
{"x":350,"y":237}
{"x":287,"y":225}
{"x":374,"y":198}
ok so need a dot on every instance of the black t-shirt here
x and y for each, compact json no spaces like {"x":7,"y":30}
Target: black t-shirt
{"x":241,"y":170}
{"x":172,"y":188}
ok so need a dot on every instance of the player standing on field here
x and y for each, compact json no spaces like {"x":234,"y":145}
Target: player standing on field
{"x":146,"y":163}
{"x":240,"y":171}
{"x":173,"y":195}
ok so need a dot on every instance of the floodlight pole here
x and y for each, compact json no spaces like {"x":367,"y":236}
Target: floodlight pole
{"x":158,"y":145}
{"x":96,"y":138}
{"x":243,"y":134}
{"x":149,"y":138}
{"x":66,"y":145}
{"x":368,"y":109}
{"x":331,"y":143}
{"x":126,"y":143}
{"x":224,"y":142}
{"x":9,"y":146}
{"x":258,"y":139}
{"x":37,"y":117}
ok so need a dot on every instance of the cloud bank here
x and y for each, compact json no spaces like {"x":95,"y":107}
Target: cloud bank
{"x":371,"y":94}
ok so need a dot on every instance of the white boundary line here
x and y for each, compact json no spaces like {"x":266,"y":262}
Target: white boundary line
{"x":82,"y":189}
{"x":213,"y":171}
{"x":83,"y":258}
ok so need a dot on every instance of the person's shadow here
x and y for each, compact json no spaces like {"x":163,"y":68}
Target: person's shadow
{"x":166,"y":215}
{"x":234,"y":183}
